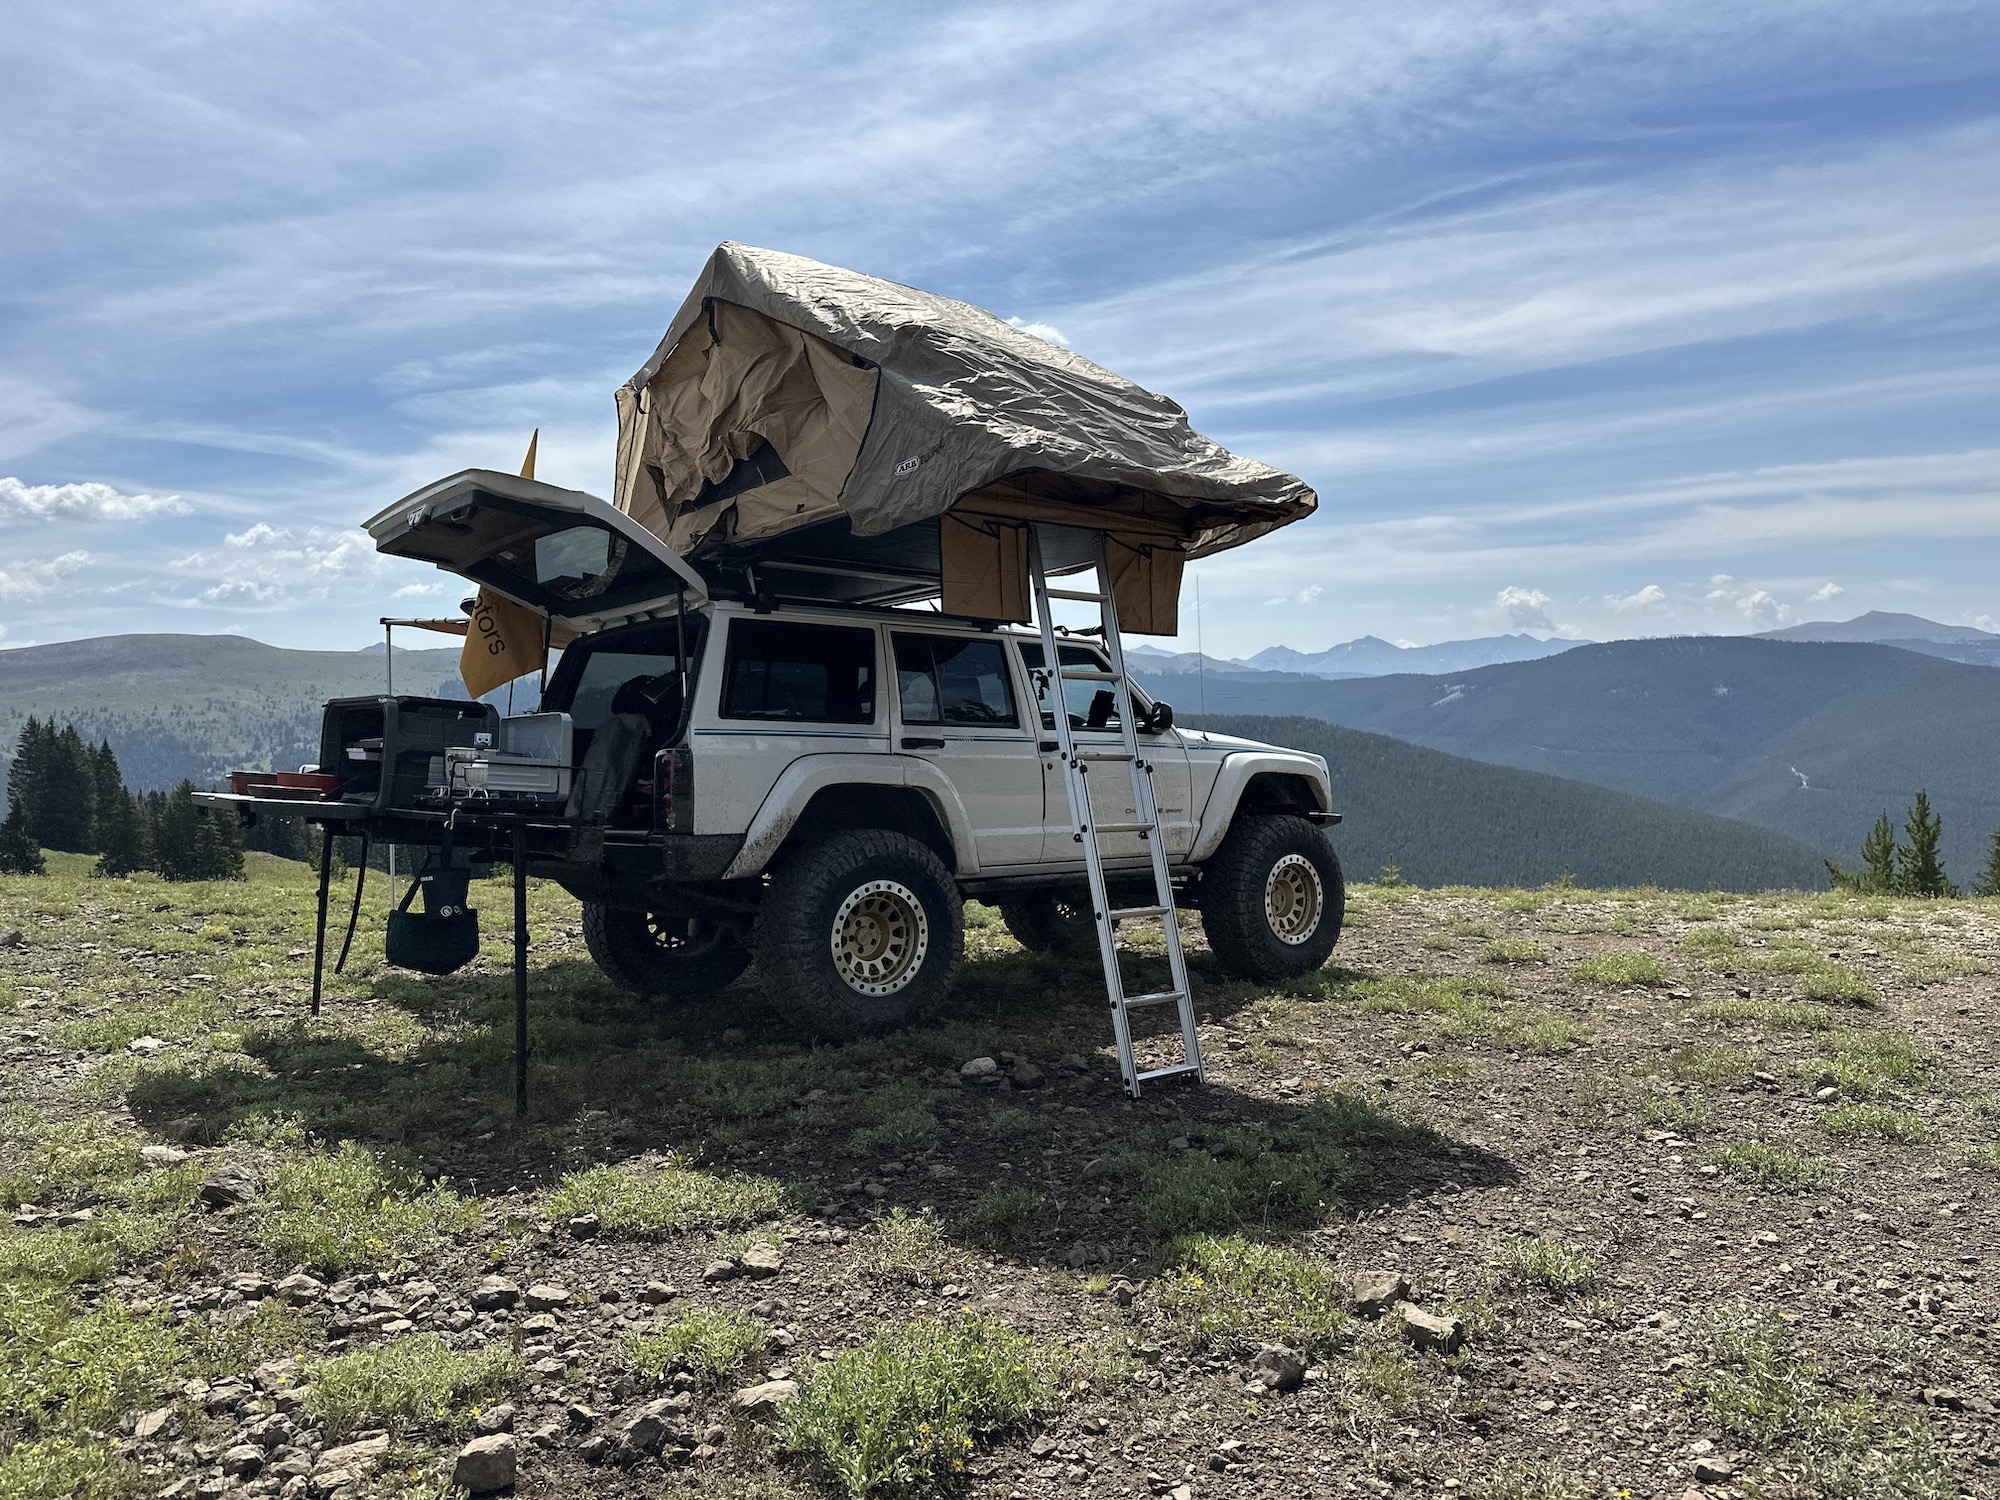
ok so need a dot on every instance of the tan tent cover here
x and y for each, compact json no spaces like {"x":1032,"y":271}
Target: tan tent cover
{"x":891,"y":405}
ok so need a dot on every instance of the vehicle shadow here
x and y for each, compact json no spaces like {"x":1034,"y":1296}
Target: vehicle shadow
{"x":1043,"y":1159}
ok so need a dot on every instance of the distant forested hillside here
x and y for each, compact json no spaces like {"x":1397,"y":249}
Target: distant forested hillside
{"x":1445,"y":820}
{"x":1814,"y":740}
{"x":195,"y":706}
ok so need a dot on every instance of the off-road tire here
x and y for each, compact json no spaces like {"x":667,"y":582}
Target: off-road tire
{"x":1061,"y":925}
{"x":820,"y":896}
{"x":677,"y":957}
{"x":1244,"y":907}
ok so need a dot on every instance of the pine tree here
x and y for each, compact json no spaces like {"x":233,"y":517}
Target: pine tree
{"x":190,"y":843}
{"x":1988,"y":883}
{"x":24,"y":774}
{"x":175,"y":835}
{"x":1879,"y":857}
{"x":1919,"y":871}
{"x":121,"y":836}
{"x":64,"y":806}
{"x":19,"y":854}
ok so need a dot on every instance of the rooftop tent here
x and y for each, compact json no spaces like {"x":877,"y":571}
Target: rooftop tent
{"x":879,"y":442}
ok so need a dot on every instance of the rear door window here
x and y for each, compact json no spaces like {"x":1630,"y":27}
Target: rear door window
{"x":798,"y":673}
{"x":1091,"y":705}
{"x":943,"y":679}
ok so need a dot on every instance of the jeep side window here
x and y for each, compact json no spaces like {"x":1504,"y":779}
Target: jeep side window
{"x":943,"y":679}
{"x":1090,"y":704}
{"x":819,"y":674}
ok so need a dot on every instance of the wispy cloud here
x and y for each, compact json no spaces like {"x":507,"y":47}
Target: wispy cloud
{"x":79,"y":502}
{"x":34,"y":579}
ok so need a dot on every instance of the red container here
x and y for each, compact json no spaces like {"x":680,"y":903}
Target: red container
{"x":240,"y":782}
{"x":317,"y":782}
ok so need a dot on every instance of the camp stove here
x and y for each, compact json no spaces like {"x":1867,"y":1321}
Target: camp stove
{"x":529,"y":764}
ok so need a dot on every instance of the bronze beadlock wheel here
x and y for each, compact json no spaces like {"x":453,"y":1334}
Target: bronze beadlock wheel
{"x":1294,"y":899}
{"x":880,"y":936}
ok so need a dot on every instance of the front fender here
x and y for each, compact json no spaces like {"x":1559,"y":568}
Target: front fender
{"x":1234,"y":775}
{"x":809,"y":775}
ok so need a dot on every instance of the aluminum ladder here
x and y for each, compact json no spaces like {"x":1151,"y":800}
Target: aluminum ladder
{"x":1085,"y":828}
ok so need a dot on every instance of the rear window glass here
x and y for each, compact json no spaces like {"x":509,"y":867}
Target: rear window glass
{"x":941,"y":679}
{"x":817,"y":674}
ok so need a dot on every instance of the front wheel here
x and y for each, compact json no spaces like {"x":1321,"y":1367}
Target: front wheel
{"x":858,"y":934}
{"x":657,"y":954}
{"x":1272,"y":898}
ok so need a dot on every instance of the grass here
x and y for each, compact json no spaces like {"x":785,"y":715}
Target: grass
{"x":349,"y":1208}
{"x":911,"y":1248}
{"x":1237,"y":1293}
{"x":668,"y":1199}
{"x":1514,"y":951}
{"x":1865,"y":1062}
{"x":1292,"y":1177}
{"x":1554,"y":1267}
{"x":1984,"y":1157}
{"x":420,"y":1379}
{"x":1874,"y":1122}
{"x":1005,"y":1215}
{"x":1718,"y":1067}
{"x":1752,"y":1380}
{"x":1536,"y":1481}
{"x":1772,"y":1015}
{"x":1623,"y":968}
{"x":53,"y":1162}
{"x":899,"y":1413}
{"x":1771,"y":1167}
{"x":710,"y":1343}
{"x":1469,"y":1012}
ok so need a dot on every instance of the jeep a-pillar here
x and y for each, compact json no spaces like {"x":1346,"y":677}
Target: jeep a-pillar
{"x":797,"y":719}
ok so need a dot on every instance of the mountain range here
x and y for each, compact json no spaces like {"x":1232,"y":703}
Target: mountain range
{"x":1446,"y":820}
{"x":1911,"y":632}
{"x":1811,"y":739}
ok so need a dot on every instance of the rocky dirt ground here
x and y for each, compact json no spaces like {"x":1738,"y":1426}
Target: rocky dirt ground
{"x":1532,"y":1195}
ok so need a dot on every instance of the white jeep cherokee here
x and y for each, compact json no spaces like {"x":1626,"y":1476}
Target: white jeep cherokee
{"x":816,"y":787}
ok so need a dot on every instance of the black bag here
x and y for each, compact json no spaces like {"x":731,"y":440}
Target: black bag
{"x":444,"y":937}
{"x":432,"y":945}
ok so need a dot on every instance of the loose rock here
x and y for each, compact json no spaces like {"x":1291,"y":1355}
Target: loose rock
{"x":657,"y":1292}
{"x":1714,"y":1471}
{"x":1276,"y":1368}
{"x":487,"y":1463}
{"x":496,"y":1418}
{"x":243,"y":1461}
{"x":761,"y":1261}
{"x":1428,"y":1331}
{"x":760,"y":1401}
{"x":230,"y":1185}
{"x":979,"y":1067}
{"x":161,"y":1156}
{"x":545,"y":1296}
{"x":718,"y":1270}
{"x":1375,"y":1292}
{"x":495,"y":1293}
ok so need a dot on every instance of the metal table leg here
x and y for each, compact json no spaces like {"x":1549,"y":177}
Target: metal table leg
{"x":520,"y":966}
{"x":319,"y":933}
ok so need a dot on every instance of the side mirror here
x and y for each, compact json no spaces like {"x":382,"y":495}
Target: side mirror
{"x":1161,"y":719}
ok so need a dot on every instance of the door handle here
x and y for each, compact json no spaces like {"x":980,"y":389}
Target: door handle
{"x":1048,"y":747}
{"x":910,"y":743}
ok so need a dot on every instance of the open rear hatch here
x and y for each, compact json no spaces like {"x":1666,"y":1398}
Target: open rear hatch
{"x":563,"y":553}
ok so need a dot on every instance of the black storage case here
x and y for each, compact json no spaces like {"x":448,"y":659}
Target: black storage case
{"x":412,"y":732}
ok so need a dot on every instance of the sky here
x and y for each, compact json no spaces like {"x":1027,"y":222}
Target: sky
{"x":1599,"y":320}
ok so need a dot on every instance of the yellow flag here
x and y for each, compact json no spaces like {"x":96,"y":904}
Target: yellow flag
{"x":503,"y":640}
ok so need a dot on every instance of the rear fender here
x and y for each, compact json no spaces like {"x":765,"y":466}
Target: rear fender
{"x":811,"y":775}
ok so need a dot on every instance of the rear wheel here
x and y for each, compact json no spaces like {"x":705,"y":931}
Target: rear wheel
{"x":657,"y":954}
{"x":858,"y":934}
{"x":1272,"y":898}
{"x":1061,"y":925}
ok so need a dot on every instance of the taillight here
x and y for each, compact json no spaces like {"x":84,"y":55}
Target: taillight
{"x":673,"y":790}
